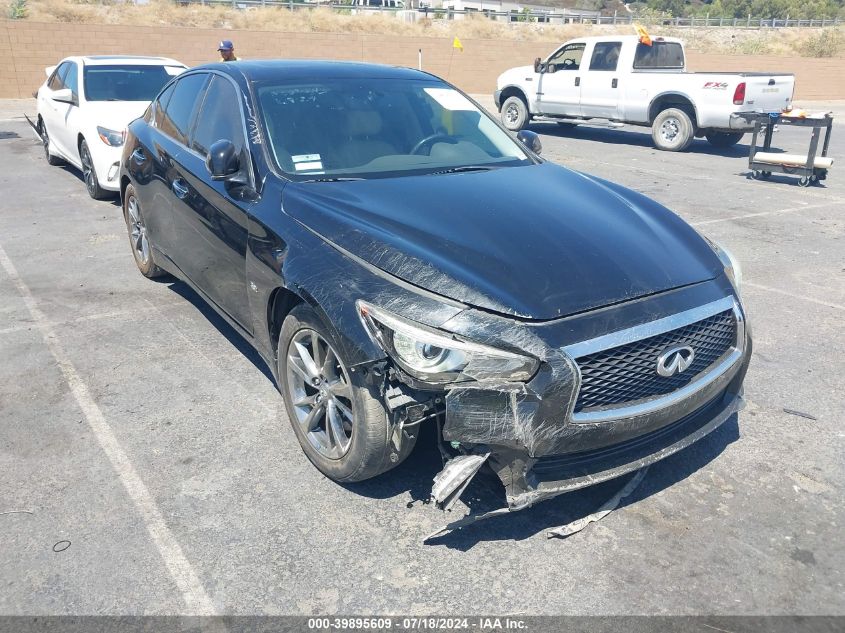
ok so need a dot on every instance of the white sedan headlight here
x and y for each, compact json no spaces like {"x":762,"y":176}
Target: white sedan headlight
{"x":438,"y":358}
{"x":112,"y":138}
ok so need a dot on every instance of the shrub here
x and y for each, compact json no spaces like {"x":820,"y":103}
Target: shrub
{"x":825,"y":43}
{"x":17,"y":10}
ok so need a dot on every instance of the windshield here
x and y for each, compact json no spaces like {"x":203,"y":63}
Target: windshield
{"x":126,"y":83}
{"x":376,"y":128}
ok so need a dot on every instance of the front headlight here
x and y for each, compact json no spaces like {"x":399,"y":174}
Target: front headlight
{"x":112,"y":138}
{"x":438,"y":358}
{"x":732,"y":266}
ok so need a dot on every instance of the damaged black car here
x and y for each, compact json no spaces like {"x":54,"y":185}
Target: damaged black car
{"x":399,"y":259}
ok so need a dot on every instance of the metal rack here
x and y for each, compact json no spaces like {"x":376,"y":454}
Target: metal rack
{"x":810,"y":169}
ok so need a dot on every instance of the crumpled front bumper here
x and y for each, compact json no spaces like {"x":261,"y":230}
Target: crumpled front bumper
{"x":528,"y":481}
{"x":529,"y":438}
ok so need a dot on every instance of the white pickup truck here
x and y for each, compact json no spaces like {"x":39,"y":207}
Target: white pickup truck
{"x":620,"y":79}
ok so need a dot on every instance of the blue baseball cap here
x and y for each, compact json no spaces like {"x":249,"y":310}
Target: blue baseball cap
{"x":226,"y":45}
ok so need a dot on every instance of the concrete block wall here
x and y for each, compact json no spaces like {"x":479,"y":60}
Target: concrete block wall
{"x":28,"y":47}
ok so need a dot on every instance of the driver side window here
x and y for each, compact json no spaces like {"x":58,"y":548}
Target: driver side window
{"x":567,"y":58}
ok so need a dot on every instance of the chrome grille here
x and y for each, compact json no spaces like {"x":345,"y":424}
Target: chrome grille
{"x":627,"y":373}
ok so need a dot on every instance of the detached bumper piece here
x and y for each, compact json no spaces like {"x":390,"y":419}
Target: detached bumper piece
{"x":528,"y":481}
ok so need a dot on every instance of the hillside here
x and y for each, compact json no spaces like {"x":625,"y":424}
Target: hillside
{"x":806,"y":42}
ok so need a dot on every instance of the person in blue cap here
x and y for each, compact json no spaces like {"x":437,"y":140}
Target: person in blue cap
{"x":227,"y":51}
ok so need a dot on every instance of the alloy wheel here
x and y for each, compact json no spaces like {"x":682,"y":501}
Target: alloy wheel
{"x":321,"y":394}
{"x":88,"y":169}
{"x":138,"y":232}
{"x":512,"y":114}
{"x":45,"y":141}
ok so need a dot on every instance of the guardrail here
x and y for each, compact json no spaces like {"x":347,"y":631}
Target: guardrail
{"x":533,"y":15}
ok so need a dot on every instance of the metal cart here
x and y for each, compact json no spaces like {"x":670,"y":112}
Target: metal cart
{"x":811,"y":168}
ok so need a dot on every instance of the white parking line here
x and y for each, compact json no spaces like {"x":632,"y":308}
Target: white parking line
{"x":193,"y":593}
{"x":793,"y":295}
{"x":762,"y":213}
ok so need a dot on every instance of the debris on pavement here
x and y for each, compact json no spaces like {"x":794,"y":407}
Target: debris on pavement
{"x":800,"y":414}
{"x":576,"y":526}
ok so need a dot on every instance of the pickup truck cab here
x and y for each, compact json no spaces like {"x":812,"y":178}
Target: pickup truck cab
{"x":621,"y":79}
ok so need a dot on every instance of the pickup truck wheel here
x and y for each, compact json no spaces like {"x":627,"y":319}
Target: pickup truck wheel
{"x":514,"y":114}
{"x":341,"y":426}
{"x":672,"y":130}
{"x":724,"y":139}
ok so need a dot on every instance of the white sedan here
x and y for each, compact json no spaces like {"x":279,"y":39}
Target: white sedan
{"x":85,"y":106}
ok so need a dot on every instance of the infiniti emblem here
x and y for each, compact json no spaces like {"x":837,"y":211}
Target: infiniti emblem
{"x":675,"y":360}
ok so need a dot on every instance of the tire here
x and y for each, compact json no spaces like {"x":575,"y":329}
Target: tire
{"x":672,"y":130}
{"x":365,"y":448}
{"x":54,"y":161}
{"x":89,"y":173}
{"x":142,"y":248}
{"x":724,"y":139}
{"x":515,"y":115}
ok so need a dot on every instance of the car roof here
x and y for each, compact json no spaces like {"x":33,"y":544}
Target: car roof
{"x":621,"y":38}
{"x":261,"y":70}
{"x":124,"y":60}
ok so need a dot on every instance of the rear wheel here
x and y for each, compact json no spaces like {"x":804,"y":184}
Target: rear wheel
{"x":672,"y":130}
{"x":724,"y":139}
{"x":142,"y":249}
{"x":515,"y":114}
{"x":342,"y":428}
{"x":89,"y":174}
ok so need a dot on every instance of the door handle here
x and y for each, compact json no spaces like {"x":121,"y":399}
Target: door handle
{"x":614,"y":83}
{"x":180,"y":189}
{"x":138,"y":156}
{"x":577,"y":81}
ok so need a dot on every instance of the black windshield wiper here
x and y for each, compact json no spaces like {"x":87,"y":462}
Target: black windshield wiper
{"x":332,"y":179}
{"x":462,"y":168}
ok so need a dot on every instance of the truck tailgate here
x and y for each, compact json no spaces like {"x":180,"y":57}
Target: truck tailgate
{"x":767,"y":93}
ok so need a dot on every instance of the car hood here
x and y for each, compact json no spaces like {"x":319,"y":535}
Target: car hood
{"x":537,"y":242}
{"x":515,"y":76}
{"x":115,"y":115}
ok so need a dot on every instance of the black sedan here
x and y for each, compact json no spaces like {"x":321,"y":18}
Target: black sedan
{"x":398,"y":259}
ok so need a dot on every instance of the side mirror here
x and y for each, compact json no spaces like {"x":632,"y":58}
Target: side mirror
{"x":223,"y":161}
{"x":531,"y":140}
{"x":538,"y":65}
{"x":65,"y":95}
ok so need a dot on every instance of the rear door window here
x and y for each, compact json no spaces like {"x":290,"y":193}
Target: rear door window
{"x":158,"y":107}
{"x":659,"y":55}
{"x":605,"y":56}
{"x":183,"y":104}
{"x":220,"y":118}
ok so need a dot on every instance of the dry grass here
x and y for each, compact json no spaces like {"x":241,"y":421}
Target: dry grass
{"x":808,"y":42}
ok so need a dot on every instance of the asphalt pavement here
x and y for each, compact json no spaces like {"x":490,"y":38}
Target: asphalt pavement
{"x":148,"y":466}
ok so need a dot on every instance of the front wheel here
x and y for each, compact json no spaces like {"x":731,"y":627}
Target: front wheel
{"x":672,"y":130}
{"x":515,"y":114}
{"x":89,"y":173}
{"x":341,"y":426}
{"x":45,"y":140}
{"x":724,"y":139}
